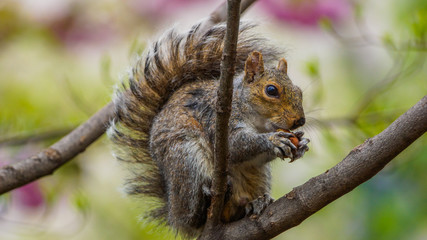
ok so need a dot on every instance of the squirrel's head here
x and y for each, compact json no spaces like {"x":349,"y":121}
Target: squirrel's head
{"x":272,"y":95}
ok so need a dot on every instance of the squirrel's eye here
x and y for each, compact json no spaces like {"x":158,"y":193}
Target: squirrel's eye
{"x":272,"y":91}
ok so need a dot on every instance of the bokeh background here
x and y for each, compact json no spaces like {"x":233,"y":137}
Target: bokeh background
{"x":360,"y":64}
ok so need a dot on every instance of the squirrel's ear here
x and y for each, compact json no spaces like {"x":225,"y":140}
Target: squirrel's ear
{"x":254,"y":66}
{"x":283,"y":66}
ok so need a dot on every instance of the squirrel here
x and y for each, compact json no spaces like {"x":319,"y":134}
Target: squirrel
{"x":164,"y":123}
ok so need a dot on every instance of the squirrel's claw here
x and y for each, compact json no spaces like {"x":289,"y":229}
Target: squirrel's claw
{"x":302,"y":148}
{"x":255,"y":207}
{"x":282,"y":146}
{"x":283,"y":152}
{"x":299,"y":134}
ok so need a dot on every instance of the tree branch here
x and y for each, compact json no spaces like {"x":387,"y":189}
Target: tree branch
{"x":223,"y":111}
{"x":47,"y":161}
{"x":220,"y":13}
{"x":361,"y":164}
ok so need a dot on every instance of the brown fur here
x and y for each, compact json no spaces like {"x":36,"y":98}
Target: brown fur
{"x":165,"y":118}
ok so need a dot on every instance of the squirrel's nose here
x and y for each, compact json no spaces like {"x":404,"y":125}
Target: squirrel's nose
{"x":298,"y":123}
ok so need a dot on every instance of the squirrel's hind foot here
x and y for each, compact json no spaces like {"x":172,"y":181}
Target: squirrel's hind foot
{"x":254,"y":208}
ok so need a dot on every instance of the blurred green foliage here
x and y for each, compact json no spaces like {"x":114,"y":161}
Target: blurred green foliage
{"x":360,"y":74}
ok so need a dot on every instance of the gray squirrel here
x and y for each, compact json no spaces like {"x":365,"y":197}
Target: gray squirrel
{"x":164,"y":123}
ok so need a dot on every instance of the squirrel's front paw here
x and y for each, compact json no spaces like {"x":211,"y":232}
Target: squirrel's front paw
{"x":255,"y":207}
{"x":282,"y":146}
{"x":302,"y":146}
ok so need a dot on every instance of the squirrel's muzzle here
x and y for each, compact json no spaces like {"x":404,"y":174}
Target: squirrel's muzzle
{"x":298,"y":123}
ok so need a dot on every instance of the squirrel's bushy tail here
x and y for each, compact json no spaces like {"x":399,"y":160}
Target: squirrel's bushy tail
{"x":169,"y":63}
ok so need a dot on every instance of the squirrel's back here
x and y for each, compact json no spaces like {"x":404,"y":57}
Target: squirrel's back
{"x":174,"y":60}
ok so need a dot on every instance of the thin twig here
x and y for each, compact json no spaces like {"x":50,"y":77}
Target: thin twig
{"x":77,"y":100}
{"x":223,"y":111}
{"x":220,"y":13}
{"x":390,"y":78}
{"x":39,"y":136}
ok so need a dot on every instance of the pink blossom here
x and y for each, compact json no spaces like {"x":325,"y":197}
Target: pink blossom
{"x":162,"y":8}
{"x":307,"y":12}
{"x":70,"y":22}
{"x":74,"y":31}
{"x":28,"y":196}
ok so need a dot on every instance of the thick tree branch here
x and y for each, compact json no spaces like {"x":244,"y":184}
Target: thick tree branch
{"x":223,"y":110}
{"x":47,"y":161}
{"x":361,"y":164}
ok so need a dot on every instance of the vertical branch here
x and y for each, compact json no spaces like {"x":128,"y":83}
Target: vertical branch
{"x":220,"y":13}
{"x":223,"y":110}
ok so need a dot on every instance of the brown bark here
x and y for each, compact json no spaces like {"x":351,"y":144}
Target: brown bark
{"x":47,"y":161}
{"x":223,"y":110}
